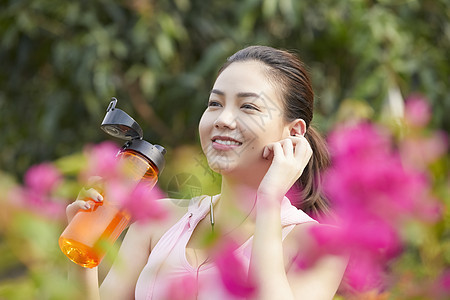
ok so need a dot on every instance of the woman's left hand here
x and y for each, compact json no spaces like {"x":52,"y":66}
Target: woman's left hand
{"x":289,"y":158}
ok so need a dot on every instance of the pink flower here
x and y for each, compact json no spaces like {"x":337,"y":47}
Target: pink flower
{"x":372,"y":176}
{"x":41,"y":181}
{"x":101,"y":161}
{"x":419,"y":152}
{"x":42,"y":204}
{"x":233,"y":272}
{"x":42,"y":178}
{"x":143,"y":203}
{"x":444,"y":282}
{"x":358,"y":142}
{"x":138,"y":200}
{"x":295,"y":195}
{"x":439,"y":288}
{"x":372,"y":236}
{"x":417,"y":111}
{"x":365,"y":273}
{"x":372,"y":194}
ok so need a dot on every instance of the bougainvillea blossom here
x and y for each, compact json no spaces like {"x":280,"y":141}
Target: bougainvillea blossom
{"x":372,"y":193}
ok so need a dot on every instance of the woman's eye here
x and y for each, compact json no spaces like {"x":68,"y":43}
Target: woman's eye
{"x":249,"y":106}
{"x":213,"y":103}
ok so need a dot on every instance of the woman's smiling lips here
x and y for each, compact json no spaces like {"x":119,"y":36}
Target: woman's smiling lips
{"x":224,"y":143}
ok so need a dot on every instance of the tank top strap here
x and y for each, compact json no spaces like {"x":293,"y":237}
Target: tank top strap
{"x":199,"y":207}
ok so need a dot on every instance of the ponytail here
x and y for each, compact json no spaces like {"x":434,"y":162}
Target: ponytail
{"x":311,"y":199}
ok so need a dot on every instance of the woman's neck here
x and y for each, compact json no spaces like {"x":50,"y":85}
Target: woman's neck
{"x":235,"y":208}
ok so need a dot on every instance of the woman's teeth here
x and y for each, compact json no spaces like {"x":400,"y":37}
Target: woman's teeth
{"x":228,"y":143}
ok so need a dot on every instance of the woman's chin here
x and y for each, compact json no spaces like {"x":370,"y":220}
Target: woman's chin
{"x":222,"y":170}
{"x":225,"y":168}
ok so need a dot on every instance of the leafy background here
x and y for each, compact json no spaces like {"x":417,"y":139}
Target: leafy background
{"x":62,"y":61}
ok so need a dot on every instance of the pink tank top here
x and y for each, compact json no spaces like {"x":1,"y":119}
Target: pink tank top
{"x":168,"y":271}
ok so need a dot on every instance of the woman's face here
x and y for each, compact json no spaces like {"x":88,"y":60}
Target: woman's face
{"x":244,"y":114}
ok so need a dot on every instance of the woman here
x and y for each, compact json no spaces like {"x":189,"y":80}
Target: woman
{"x":256,"y":133}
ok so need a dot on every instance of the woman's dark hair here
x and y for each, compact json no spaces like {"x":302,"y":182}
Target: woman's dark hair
{"x":288,"y":73}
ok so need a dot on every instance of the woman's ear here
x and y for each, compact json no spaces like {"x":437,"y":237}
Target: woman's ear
{"x":297,"y":127}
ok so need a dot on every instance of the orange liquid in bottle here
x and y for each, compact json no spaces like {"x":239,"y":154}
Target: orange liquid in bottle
{"x":86,"y":239}
{"x":83,"y":241}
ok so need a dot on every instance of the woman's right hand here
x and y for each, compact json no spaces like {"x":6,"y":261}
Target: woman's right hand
{"x":86,"y":198}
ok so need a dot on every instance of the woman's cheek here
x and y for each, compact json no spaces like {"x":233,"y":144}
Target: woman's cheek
{"x":203,"y":130}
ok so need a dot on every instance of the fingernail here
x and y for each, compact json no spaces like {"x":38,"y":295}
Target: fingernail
{"x":87,"y":205}
{"x":100,"y":198}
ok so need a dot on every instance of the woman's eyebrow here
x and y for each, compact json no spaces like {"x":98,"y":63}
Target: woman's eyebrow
{"x":239,"y":95}
{"x":214,"y":91}
{"x":247,"y":95}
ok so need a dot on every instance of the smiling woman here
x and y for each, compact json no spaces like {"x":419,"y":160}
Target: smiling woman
{"x":256,"y":133}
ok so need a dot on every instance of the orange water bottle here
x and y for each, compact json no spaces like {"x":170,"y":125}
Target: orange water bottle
{"x":88,"y":235}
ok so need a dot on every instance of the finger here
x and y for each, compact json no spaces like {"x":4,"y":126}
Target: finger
{"x":288,"y":147}
{"x":298,"y":143}
{"x":90,"y":194}
{"x":302,"y":148}
{"x":277,"y":150}
{"x":295,"y":139}
{"x":79,"y":204}
{"x":74,"y":207}
{"x":268,"y":151}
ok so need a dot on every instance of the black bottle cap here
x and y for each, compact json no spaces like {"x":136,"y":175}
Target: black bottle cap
{"x":119,"y":124}
{"x":154,"y":153}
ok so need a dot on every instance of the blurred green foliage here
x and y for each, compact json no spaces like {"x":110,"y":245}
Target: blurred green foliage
{"x":63,"y":61}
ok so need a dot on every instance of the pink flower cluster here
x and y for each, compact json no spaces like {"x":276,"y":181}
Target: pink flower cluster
{"x":101,"y":161}
{"x":417,"y":111}
{"x":232,"y":271}
{"x":40,"y":183}
{"x":372,"y":194}
{"x":419,"y":149}
{"x":42,"y":180}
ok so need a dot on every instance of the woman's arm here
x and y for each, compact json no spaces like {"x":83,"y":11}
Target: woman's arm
{"x":120,"y":281}
{"x":289,"y":157}
{"x":267,"y":265}
{"x":87,"y":280}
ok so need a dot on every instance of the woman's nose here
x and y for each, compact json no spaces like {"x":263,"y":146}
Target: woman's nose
{"x":226,"y":119}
